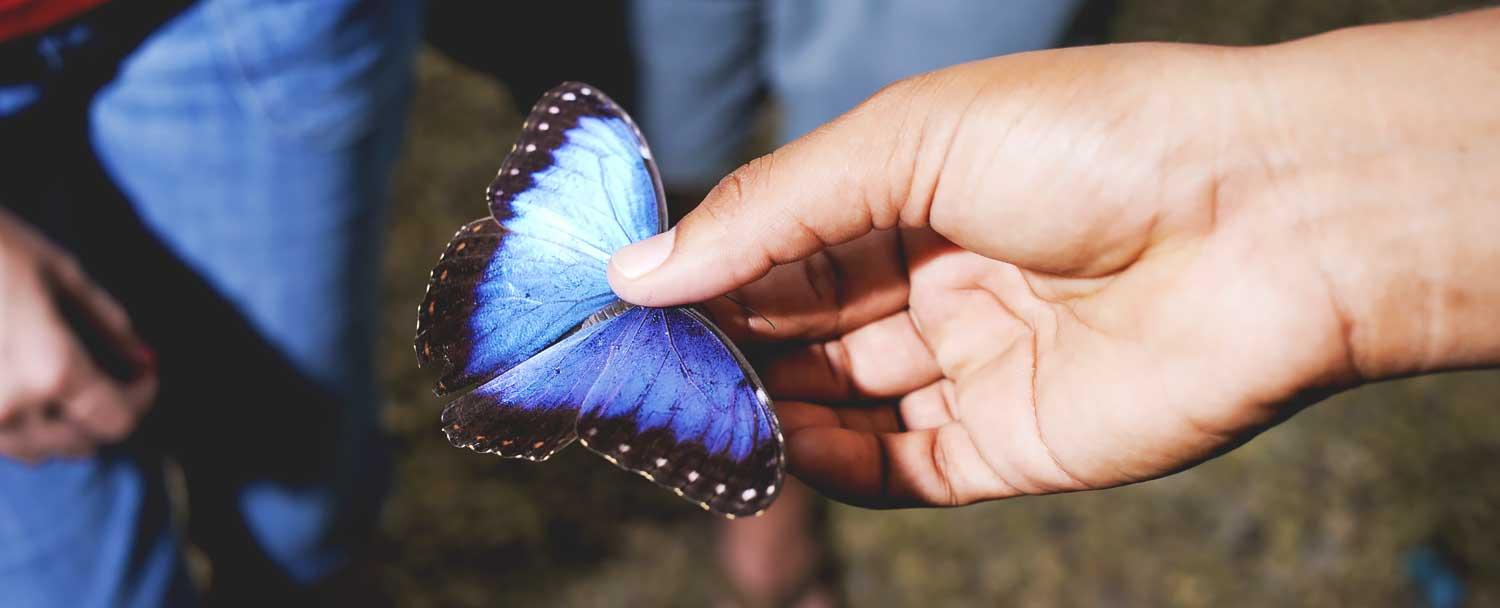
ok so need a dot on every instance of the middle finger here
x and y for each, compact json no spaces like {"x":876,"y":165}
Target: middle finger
{"x":886,"y":358}
{"x":830,"y":293}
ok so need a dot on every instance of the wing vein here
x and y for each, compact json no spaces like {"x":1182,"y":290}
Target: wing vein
{"x":614,"y":209}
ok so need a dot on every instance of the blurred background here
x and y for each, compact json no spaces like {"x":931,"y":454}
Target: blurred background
{"x":1327,"y":509}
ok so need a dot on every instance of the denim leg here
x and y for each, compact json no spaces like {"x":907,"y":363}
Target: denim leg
{"x":703,"y":64}
{"x":256,"y":140}
{"x":699,"y":71}
{"x":74,"y":532}
{"x":88,"y":533}
{"x":823,"y":58}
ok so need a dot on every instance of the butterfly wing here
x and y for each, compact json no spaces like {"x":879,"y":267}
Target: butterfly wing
{"x":659,"y":392}
{"x":530,"y":410}
{"x":679,"y":405}
{"x":454,"y":296}
{"x":578,"y":185}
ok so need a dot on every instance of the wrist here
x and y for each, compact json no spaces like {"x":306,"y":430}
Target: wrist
{"x":1378,"y":152}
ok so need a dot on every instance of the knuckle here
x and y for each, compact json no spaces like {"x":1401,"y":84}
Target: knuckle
{"x":47,"y":375}
{"x":736,"y":190}
{"x":824,"y":278}
{"x":729,"y":194}
{"x":942,"y":466}
{"x":839,"y":365}
{"x":894,"y":100}
{"x":10,"y":410}
{"x":114,"y":429}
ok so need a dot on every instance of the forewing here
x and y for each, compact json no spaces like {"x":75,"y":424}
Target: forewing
{"x":578,"y":185}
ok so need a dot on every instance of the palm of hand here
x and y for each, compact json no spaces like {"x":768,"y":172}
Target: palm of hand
{"x":1085,"y":295}
{"x":921,"y":372}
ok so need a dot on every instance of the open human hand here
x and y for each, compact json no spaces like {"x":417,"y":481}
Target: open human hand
{"x":1083,"y":268}
{"x":55,"y":401}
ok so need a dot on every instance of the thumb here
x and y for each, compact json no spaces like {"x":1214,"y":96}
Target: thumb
{"x":849,"y":177}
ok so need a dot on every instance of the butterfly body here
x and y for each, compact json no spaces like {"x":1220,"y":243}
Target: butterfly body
{"x":520,"y":305}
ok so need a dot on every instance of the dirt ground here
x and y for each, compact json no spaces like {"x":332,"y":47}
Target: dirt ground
{"x":1317,"y":512}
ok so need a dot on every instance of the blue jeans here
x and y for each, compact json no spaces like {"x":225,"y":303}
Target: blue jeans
{"x":703,"y":66}
{"x":252,"y":141}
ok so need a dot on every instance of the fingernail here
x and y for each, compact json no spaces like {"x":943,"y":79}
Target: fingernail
{"x":637,"y":259}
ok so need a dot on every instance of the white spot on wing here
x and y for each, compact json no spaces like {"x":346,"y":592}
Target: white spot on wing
{"x":569,"y":97}
{"x":692,"y":476}
{"x":748,"y":494}
{"x":543,"y":127}
{"x":624,"y":448}
{"x":719,"y":489}
{"x":661,"y":462}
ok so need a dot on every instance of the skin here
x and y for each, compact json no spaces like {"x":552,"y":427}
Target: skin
{"x":1083,"y":268}
{"x":54,"y":401}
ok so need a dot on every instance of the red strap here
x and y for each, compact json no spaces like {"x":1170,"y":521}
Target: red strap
{"x":21,"y":17}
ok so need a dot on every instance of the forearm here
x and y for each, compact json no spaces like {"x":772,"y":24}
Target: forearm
{"x":1380,"y":151}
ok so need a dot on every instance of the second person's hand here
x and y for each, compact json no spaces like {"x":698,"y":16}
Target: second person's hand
{"x":55,"y":400}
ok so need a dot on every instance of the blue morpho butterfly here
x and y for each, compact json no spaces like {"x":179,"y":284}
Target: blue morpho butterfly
{"x":519,"y":302}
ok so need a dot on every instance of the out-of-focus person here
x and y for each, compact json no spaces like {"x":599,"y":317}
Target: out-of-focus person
{"x":192,"y":198}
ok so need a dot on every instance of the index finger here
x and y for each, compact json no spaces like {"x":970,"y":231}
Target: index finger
{"x":856,"y":174}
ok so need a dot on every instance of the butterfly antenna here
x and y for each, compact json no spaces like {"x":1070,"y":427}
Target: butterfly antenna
{"x":750,"y":310}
